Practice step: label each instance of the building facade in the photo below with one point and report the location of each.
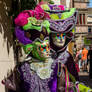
(67, 3)
(89, 22)
(56, 2)
(82, 25)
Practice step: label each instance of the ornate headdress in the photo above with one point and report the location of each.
(38, 13)
(30, 30)
(62, 21)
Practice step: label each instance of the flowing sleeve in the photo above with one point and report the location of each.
(12, 81)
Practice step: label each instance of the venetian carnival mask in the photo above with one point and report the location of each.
(43, 49)
(59, 39)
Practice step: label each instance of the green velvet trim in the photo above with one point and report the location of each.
(33, 50)
(26, 47)
(63, 15)
(72, 78)
(54, 16)
(31, 26)
(46, 24)
(83, 88)
(73, 30)
(34, 24)
(45, 7)
(36, 54)
(68, 14)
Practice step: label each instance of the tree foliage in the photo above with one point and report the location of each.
(87, 41)
(20, 5)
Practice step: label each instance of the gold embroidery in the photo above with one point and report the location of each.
(44, 29)
(41, 36)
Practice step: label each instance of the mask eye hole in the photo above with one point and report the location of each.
(63, 35)
(58, 35)
(41, 47)
(44, 48)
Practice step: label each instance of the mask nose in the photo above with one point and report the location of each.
(59, 40)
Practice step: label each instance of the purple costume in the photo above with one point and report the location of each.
(31, 82)
(66, 58)
(64, 26)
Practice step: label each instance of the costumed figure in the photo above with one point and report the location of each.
(39, 73)
(62, 26)
(48, 67)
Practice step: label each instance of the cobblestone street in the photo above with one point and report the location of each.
(84, 78)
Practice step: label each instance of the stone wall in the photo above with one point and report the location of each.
(80, 5)
(81, 29)
(80, 37)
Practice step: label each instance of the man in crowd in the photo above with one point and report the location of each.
(90, 61)
(84, 59)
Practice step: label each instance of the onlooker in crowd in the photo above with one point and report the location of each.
(90, 62)
(84, 59)
(77, 60)
(78, 56)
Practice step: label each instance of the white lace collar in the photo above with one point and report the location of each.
(43, 69)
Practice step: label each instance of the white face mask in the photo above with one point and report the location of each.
(59, 39)
(44, 49)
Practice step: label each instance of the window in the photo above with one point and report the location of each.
(80, 18)
(83, 18)
(89, 29)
